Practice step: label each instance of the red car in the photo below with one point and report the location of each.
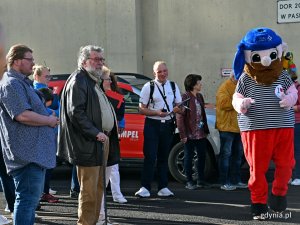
(131, 140)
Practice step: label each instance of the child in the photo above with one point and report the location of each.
(48, 97)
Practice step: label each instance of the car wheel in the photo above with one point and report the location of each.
(176, 163)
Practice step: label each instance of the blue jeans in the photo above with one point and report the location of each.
(297, 151)
(230, 159)
(189, 151)
(8, 185)
(157, 143)
(74, 182)
(29, 182)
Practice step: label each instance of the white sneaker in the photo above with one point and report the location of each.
(296, 182)
(120, 200)
(52, 192)
(165, 192)
(142, 193)
(240, 185)
(228, 187)
(4, 220)
(6, 209)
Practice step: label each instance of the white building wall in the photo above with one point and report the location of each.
(192, 36)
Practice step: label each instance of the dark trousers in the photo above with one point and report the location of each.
(8, 184)
(48, 176)
(230, 158)
(74, 182)
(157, 143)
(189, 151)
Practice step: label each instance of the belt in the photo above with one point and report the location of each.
(161, 121)
(107, 133)
(166, 121)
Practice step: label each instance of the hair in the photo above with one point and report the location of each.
(38, 69)
(112, 76)
(157, 63)
(114, 84)
(16, 52)
(105, 71)
(190, 81)
(85, 51)
(47, 94)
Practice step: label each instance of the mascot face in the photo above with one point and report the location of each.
(259, 56)
(263, 66)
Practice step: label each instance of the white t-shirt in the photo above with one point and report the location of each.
(158, 102)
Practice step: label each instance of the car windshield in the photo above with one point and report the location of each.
(136, 80)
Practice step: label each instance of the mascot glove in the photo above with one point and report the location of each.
(241, 104)
(290, 99)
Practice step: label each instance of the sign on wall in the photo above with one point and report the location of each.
(225, 72)
(288, 11)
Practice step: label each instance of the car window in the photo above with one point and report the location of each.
(131, 101)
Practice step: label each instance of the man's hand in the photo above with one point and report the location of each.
(101, 137)
(176, 109)
(183, 140)
(53, 121)
(160, 113)
(120, 130)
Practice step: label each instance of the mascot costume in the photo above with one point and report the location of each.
(263, 99)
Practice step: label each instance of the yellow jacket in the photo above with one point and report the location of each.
(226, 116)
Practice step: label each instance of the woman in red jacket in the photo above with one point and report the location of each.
(193, 130)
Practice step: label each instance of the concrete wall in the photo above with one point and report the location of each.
(200, 36)
(56, 29)
(192, 36)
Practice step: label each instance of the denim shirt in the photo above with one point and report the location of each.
(23, 144)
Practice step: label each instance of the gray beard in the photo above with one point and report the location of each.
(95, 73)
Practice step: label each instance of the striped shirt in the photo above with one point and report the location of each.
(265, 113)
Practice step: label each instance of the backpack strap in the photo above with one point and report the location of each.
(173, 89)
(151, 92)
(173, 86)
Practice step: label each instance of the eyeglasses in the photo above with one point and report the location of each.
(108, 79)
(48, 77)
(29, 59)
(97, 59)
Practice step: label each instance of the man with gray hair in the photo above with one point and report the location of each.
(87, 121)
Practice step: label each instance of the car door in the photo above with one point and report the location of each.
(132, 138)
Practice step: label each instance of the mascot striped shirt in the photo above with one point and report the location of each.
(265, 113)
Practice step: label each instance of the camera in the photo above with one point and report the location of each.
(164, 110)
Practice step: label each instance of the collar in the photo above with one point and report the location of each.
(159, 83)
(38, 85)
(19, 76)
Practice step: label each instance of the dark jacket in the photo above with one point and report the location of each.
(186, 121)
(80, 121)
(114, 145)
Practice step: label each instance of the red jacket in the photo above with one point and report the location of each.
(186, 121)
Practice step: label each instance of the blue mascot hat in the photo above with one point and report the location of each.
(257, 39)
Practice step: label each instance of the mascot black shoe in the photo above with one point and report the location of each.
(259, 211)
(277, 203)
